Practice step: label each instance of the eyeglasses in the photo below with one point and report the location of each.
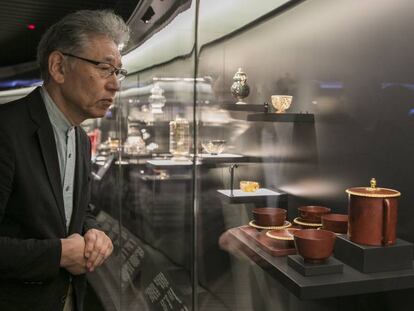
(106, 69)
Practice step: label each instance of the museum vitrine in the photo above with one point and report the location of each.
(232, 107)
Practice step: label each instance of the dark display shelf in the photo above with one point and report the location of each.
(217, 160)
(223, 159)
(235, 158)
(210, 160)
(282, 117)
(170, 163)
(247, 107)
(167, 178)
(349, 282)
(220, 158)
(204, 159)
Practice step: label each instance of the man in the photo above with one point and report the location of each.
(48, 237)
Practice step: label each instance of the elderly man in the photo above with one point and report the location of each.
(48, 237)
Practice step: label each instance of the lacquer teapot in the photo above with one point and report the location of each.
(372, 215)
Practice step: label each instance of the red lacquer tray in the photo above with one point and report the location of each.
(271, 246)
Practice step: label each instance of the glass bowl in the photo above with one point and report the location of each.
(281, 102)
(249, 186)
(214, 146)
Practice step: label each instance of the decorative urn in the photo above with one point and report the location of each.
(239, 88)
(156, 99)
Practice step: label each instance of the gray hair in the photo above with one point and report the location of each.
(71, 34)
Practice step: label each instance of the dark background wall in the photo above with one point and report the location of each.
(350, 63)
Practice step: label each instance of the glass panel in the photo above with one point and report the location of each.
(232, 150)
(105, 183)
(143, 172)
(187, 135)
(156, 105)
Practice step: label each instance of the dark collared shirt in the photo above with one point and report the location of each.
(65, 136)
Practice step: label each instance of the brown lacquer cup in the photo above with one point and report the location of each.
(337, 223)
(312, 213)
(269, 216)
(315, 246)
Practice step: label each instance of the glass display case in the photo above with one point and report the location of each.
(235, 105)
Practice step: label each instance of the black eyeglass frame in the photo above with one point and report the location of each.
(120, 73)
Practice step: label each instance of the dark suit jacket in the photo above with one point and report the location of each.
(32, 218)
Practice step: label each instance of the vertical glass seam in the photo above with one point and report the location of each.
(194, 170)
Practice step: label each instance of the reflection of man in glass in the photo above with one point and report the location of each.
(286, 85)
(48, 237)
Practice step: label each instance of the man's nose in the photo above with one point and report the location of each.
(113, 83)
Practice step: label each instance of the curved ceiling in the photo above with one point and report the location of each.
(22, 23)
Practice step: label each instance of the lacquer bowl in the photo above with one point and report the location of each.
(315, 246)
(269, 216)
(312, 213)
(337, 223)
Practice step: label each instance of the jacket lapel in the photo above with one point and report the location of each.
(48, 148)
(79, 172)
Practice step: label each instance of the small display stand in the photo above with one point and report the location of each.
(370, 259)
(168, 170)
(330, 266)
(260, 195)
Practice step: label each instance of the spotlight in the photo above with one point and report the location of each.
(148, 15)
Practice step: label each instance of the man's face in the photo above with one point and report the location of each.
(85, 90)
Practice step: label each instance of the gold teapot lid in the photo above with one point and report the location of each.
(373, 191)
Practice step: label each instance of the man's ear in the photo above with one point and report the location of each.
(57, 66)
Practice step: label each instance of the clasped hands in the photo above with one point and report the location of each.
(81, 254)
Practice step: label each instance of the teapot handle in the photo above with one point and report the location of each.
(386, 222)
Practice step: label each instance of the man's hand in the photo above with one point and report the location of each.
(98, 247)
(73, 254)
